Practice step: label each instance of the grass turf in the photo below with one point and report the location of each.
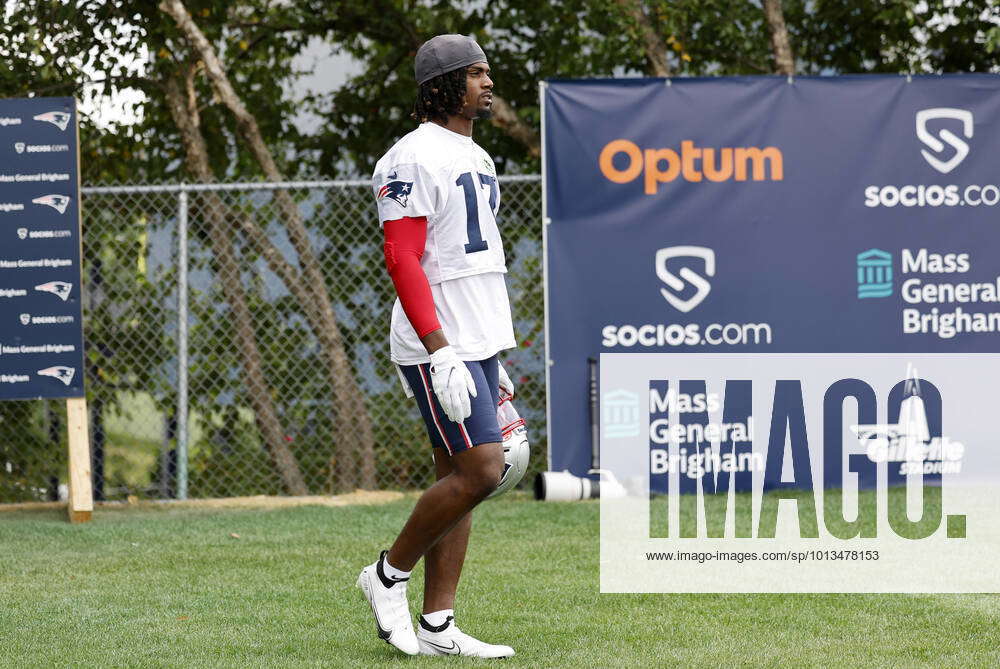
(172, 587)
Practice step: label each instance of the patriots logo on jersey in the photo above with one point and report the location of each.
(57, 118)
(396, 190)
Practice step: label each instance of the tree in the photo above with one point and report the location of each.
(307, 286)
(92, 47)
(98, 28)
(784, 61)
(528, 41)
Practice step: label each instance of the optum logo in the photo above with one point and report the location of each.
(693, 163)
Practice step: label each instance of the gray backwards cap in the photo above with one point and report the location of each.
(445, 53)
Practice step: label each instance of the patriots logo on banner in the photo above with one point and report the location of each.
(57, 118)
(57, 202)
(60, 288)
(64, 374)
(396, 190)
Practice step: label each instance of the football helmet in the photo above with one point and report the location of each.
(515, 444)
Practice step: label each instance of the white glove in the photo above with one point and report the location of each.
(452, 383)
(506, 384)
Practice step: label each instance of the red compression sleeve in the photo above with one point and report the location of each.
(404, 246)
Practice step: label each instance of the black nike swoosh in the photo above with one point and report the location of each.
(382, 633)
(453, 649)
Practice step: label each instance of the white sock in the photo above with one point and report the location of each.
(393, 573)
(438, 618)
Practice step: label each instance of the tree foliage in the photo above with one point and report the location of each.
(95, 48)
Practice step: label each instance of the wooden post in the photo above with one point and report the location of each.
(81, 493)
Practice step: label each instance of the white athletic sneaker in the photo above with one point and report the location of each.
(392, 613)
(447, 639)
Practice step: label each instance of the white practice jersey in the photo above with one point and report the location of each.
(449, 179)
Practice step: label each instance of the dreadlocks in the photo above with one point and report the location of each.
(440, 97)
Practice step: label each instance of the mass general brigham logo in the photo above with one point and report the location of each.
(620, 415)
(874, 274)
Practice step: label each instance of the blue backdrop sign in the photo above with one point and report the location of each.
(757, 215)
(41, 329)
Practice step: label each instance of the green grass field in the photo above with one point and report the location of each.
(170, 587)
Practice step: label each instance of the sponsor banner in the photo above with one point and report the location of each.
(735, 215)
(796, 472)
(41, 329)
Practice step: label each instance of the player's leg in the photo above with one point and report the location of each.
(437, 633)
(443, 562)
(475, 474)
(476, 462)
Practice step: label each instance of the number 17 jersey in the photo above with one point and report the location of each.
(450, 180)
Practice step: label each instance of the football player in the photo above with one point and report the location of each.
(438, 196)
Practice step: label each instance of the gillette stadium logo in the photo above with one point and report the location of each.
(942, 137)
(57, 118)
(907, 445)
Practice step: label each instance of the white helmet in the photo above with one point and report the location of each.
(515, 444)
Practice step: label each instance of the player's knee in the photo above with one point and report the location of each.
(491, 477)
(479, 481)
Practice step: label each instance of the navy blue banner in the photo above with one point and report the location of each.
(41, 328)
(823, 215)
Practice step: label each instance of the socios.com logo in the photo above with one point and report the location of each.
(935, 143)
(874, 274)
(685, 276)
(622, 161)
(939, 130)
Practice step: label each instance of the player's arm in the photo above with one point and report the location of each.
(405, 239)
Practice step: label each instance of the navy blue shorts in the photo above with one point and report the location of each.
(480, 427)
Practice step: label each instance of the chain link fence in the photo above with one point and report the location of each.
(237, 344)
